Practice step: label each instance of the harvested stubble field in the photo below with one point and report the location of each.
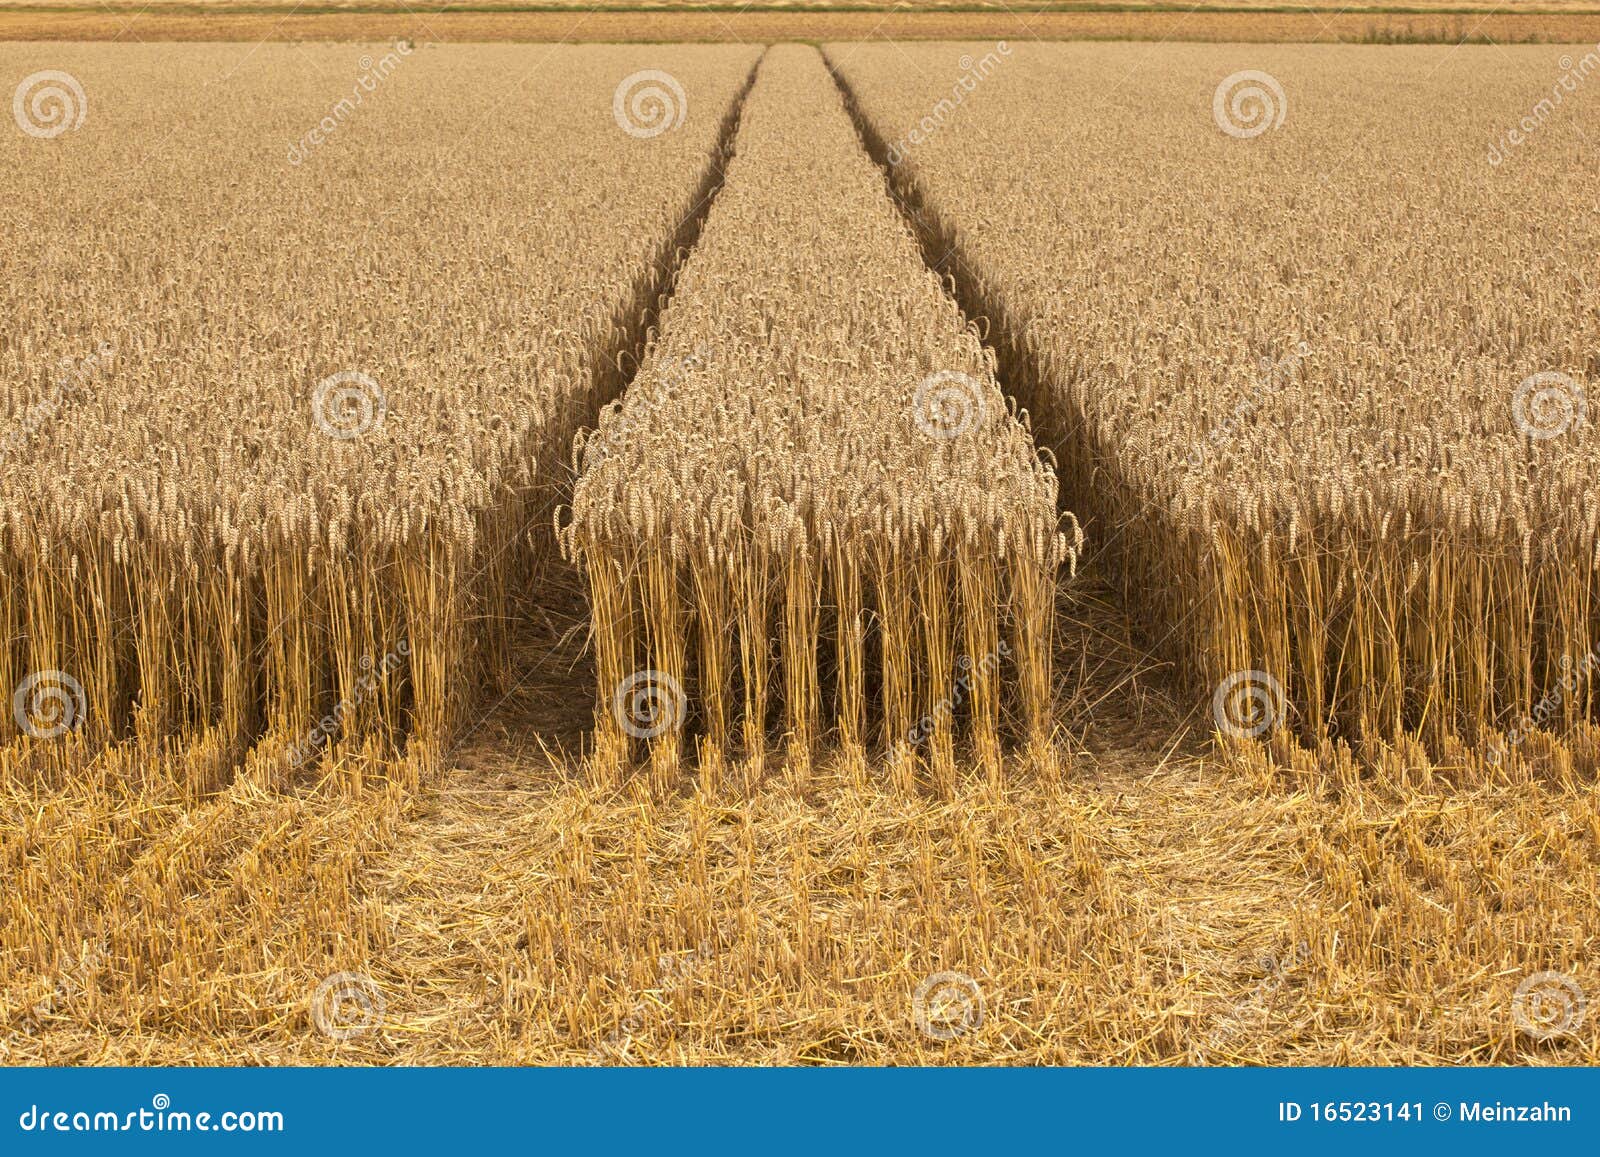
(354, 470)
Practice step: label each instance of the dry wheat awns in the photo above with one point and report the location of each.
(1136, 897)
(813, 508)
(280, 409)
(1281, 371)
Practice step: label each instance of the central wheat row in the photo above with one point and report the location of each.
(813, 501)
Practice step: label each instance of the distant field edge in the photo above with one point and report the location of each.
(1275, 25)
(220, 8)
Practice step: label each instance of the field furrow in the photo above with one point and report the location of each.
(813, 508)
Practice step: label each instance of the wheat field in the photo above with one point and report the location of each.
(986, 553)
(815, 457)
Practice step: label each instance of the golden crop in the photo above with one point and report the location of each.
(1293, 371)
(934, 780)
(280, 417)
(815, 457)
